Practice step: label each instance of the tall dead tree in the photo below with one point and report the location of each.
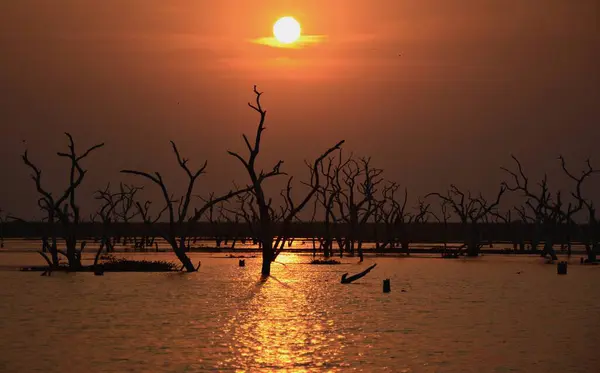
(591, 231)
(325, 198)
(472, 212)
(63, 209)
(179, 215)
(265, 229)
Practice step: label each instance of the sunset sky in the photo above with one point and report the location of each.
(436, 91)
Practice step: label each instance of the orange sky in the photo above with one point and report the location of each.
(476, 80)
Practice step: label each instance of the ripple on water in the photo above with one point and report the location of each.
(454, 316)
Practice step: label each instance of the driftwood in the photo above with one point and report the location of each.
(347, 280)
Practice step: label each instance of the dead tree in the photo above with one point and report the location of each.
(106, 215)
(178, 210)
(126, 209)
(591, 237)
(443, 218)
(357, 186)
(265, 229)
(540, 203)
(245, 212)
(471, 211)
(419, 217)
(63, 209)
(210, 215)
(225, 216)
(290, 211)
(513, 227)
(398, 219)
(111, 202)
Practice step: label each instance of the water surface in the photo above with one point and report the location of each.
(465, 315)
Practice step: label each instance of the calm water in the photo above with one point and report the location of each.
(454, 316)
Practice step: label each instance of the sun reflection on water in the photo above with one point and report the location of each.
(281, 328)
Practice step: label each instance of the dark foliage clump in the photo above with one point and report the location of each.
(126, 265)
(328, 261)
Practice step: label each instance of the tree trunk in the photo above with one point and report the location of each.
(267, 256)
(405, 246)
(183, 258)
(73, 257)
(473, 243)
(549, 250)
(180, 252)
(360, 251)
(591, 251)
(54, 255)
(473, 248)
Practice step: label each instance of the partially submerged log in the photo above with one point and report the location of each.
(347, 280)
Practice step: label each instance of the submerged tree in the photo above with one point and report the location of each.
(547, 210)
(591, 237)
(63, 209)
(357, 182)
(398, 219)
(325, 198)
(471, 211)
(179, 210)
(114, 208)
(266, 231)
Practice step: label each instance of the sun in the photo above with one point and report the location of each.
(287, 30)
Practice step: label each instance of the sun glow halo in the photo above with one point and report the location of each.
(287, 30)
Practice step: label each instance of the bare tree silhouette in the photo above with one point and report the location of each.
(178, 210)
(357, 186)
(442, 217)
(64, 208)
(266, 231)
(592, 241)
(471, 211)
(115, 207)
(547, 211)
(397, 218)
(325, 198)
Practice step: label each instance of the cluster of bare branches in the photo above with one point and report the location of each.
(114, 207)
(471, 211)
(348, 195)
(179, 212)
(547, 210)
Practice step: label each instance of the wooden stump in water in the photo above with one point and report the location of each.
(561, 268)
(99, 270)
(387, 286)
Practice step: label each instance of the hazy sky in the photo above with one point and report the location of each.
(476, 80)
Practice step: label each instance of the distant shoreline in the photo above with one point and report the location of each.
(366, 251)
